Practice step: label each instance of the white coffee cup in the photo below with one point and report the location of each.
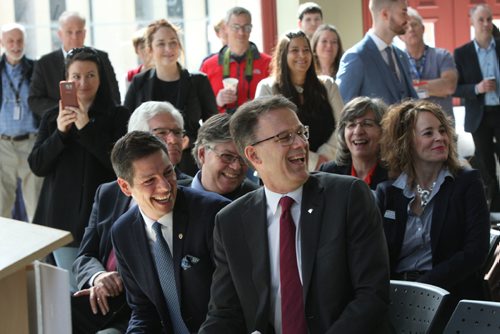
(230, 83)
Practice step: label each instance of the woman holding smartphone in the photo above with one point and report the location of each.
(72, 151)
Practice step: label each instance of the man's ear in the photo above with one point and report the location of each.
(124, 186)
(252, 156)
(201, 155)
(185, 142)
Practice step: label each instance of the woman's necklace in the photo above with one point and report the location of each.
(425, 194)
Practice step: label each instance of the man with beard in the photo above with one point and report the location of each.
(374, 67)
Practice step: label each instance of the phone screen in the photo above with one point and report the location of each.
(67, 91)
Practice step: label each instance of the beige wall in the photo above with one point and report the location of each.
(346, 15)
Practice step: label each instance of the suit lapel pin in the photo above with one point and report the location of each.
(310, 210)
(181, 236)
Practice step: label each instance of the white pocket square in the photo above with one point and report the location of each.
(389, 214)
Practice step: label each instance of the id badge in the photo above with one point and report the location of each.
(17, 112)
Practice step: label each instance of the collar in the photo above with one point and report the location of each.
(253, 48)
(381, 45)
(402, 182)
(196, 183)
(273, 198)
(491, 45)
(165, 220)
(369, 176)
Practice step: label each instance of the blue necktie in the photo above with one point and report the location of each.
(166, 274)
(392, 65)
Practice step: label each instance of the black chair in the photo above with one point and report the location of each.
(414, 307)
(474, 317)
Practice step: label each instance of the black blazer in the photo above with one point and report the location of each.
(195, 99)
(469, 74)
(345, 267)
(379, 175)
(459, 232)
(49, 70)
(193, 222)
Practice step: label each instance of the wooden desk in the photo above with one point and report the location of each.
(21, 244)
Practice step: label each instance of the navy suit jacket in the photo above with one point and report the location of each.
(193, 221)
(459, 232)
(469, 74)
(345, 269)
(363, 72)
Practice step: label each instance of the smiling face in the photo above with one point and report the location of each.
(281, 168)
(362, 136)
(85, 74)
(13, 43)
(165, 47)
(218, 175)
(328, 46)
(299, 56)
(154, 187)
(430, 141)
(159, 125)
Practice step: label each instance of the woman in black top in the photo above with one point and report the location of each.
(72, 151)
(190, 93)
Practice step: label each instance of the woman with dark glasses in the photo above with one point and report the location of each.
(72, 151)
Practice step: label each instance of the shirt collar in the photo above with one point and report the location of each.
(381, 45)
(165, 220)
(402, 182)
(196, 183)
(273, 198)
(492, 45)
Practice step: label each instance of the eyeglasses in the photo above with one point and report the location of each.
(286, 138)
(71, 53)
(164, 132)
(247, 28)
(366, 123)
(227, 158)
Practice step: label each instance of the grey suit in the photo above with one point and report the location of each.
(345, 266)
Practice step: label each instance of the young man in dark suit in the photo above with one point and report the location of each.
(304, 254)
(163, 245)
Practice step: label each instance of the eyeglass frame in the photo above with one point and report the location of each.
(178, 133)
(224, 160)
(247, 28)
(291, 136)
(364, 123)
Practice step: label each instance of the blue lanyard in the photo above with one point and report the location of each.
(417, 66)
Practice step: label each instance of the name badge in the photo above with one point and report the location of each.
(17, 112)
(389, 214)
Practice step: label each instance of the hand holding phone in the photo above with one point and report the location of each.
(67, 90)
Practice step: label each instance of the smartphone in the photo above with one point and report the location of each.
(67, 90)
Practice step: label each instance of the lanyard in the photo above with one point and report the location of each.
(417, 66)
(248, 66)
(17, 92)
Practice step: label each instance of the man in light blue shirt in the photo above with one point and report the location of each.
(18, 125)
(478, 75)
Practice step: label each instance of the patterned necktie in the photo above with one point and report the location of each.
(293, 319)
(166, 274)
(390, 60)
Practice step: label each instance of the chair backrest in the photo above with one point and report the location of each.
(414, 306)
(474, 316)
(64, 258)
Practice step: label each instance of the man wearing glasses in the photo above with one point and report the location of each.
(239, 59)
(222, 170)
(304, 254)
